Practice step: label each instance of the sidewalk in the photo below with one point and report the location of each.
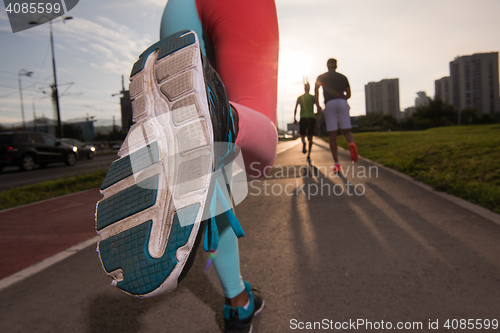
(393, 252)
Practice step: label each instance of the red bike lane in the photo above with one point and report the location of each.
(34, 232)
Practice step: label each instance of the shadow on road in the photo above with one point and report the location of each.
(117, 312)
(374, 252)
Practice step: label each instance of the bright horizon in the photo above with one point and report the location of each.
(372, 40)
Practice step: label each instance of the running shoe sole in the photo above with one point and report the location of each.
(146, 239)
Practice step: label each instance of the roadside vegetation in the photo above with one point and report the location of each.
(435, 114)
(460, 160)
(50, 189)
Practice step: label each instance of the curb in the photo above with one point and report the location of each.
(47, 200)
(481, 211)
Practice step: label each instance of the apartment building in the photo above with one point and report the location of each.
(474, 82)
(442, 90)
(422, 99)
(383, 97)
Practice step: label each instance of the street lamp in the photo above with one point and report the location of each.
(55, 93)
(22, 72)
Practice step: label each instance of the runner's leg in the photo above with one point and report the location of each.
(348, 135)
(303, 131)
(345, 124)
(310, 138)
(249, 74)
(179, 15)
(331, 119)
(310, 129)
(333, 146)
(244, 35)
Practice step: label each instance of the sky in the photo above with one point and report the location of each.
(413, 40)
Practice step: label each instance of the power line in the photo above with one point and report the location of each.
(14, 74)
(8, 79)
(7, 94)
(39, 73)
(94, 89)
(5, 86)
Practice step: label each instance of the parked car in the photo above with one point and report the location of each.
(83, 150)
(26, 149)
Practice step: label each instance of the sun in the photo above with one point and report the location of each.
(294, 66)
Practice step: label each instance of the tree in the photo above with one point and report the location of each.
(376, 122)
(435, 114)
(487, 118)
(469, 116)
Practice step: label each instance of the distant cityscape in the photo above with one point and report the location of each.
(473, 83)
(85, 129)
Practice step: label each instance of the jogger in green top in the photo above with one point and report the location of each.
(307, 118)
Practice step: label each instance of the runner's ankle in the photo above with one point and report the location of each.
(239, 300)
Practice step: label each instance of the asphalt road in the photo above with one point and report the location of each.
(378, 251)
(11, 177)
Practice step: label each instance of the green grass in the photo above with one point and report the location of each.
(460, 160)
(50, 189)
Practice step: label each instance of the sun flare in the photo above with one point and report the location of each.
(294, 67)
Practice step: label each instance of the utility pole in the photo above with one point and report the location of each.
(34, 115)
(55, 92)
(22, 72)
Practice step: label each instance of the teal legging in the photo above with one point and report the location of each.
(181, 15)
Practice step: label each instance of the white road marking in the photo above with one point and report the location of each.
(40, 266)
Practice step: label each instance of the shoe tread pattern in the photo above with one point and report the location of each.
(166, 46)
(122, 168)
(127, 202)
(128, 251)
